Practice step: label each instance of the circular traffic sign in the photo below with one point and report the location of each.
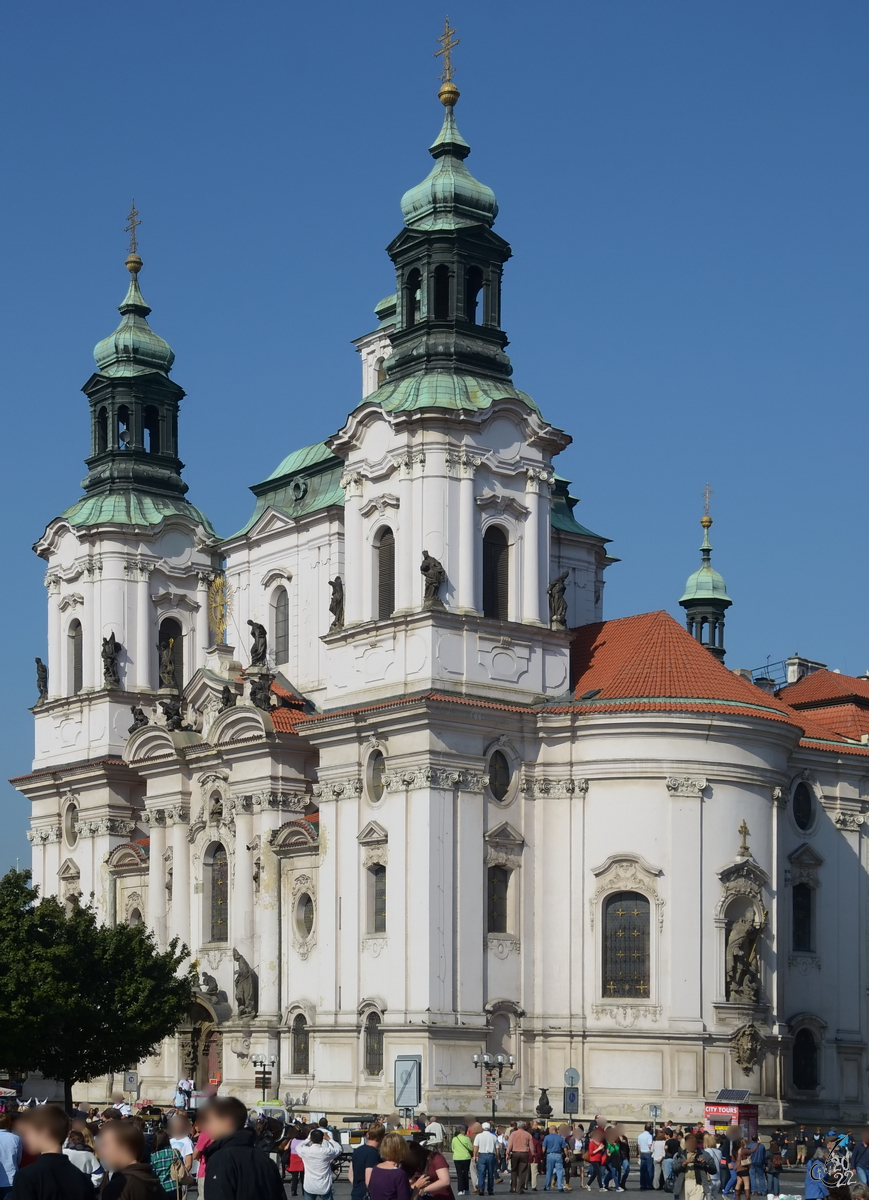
(571, 1077)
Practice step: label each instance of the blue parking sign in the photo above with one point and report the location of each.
(571, 1101)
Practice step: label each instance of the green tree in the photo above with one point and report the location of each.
(79, 999)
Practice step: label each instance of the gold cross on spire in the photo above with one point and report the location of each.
(707, 492)
(745, 831)
(131, 228)
(447, 46)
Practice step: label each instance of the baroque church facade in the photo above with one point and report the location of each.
(380, 762)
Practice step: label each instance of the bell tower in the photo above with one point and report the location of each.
(706, 600)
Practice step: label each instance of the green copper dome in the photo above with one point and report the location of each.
(449, 197)
(706, 584)
(134, 348)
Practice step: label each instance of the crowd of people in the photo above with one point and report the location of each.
(229, 1153)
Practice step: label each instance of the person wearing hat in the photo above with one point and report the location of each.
(485, 1149)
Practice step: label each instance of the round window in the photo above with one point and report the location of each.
(305, 914)
(499, 775)
(70, 825)
(803, 806)
(376, 775)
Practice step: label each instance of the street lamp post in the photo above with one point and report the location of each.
(264, 1068)
(493, 1066)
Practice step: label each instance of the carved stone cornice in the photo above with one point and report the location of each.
(686, 785)
(849, 821)
(70, 600)
(626, 1015)
(334, 789)
(41, 834)
(379, 504)
(554, 787)
(502, 944)
(106, 826)
(439, 778)
(804, 963)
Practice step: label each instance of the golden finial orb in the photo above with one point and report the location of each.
(133, 264)
(706, 521)
(448, 94)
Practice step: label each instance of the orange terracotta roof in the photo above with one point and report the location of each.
(846, 719)
(825, 686)
(651, 661)
(285, 720)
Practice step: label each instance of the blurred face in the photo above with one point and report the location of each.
(36, 1141)
(112, 1154)
(178, 1127)
(219, 1126)
(690, 1143)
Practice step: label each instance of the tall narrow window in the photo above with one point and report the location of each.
(281, 629)
(803, 808)
(219, 889)
(473, 287)
(496, 560)
(499, 775)
(171, 648)
(151, 423)
(102, 431)
(805, 1060)
(301, 1047)
(626, 959)
(125, 433)
(377, 898)
(442, 293)
(802, 917)
(380, 372)
(385, 574)
(76, 657)
(412, 288)
(373, 1044)
(499, 888)
(376, 775)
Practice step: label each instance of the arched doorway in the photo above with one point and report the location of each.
(202, 1047)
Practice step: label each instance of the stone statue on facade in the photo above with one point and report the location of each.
(168, 678)
(557, 602)
(434, 575)
(172, 713)
(245, 987)
(261, 692)
(208, 986)
(41, 680)
(259, 644)
(336, 604)
(139, 718)
(740, 964)
(111, 652)
(227, 698)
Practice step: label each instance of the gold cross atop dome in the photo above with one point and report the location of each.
(745, 831)
(706, 520)
(448, 93)
(134, 263)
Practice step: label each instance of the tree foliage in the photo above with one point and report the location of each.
(79, 999)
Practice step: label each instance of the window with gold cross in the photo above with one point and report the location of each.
(626, 958)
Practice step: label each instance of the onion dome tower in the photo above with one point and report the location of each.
(705, 600)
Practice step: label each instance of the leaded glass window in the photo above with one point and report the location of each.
(219, 895)
(301, 1049)
(802, 917)
(499, 775)
(373, 1045)
(499, 888)
(626, 961)
(803, 807)
(282, 626)
(378, 899)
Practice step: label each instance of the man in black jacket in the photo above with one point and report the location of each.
(52, 1177)
(234, 1168)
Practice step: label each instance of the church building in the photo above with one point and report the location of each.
(379, 760)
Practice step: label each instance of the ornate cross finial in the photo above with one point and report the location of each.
(707, 492)
(745, 831)
(447, 46)
(131, 228)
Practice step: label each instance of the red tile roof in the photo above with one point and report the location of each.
(825, 686)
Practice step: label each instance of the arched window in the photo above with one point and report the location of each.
(76, 657)
(373, 1044)
(102, 431)
(499, 893)
(805, 1060)
(626, 960)
(151, 424)
(125, 433)
(171, 650)
(500, 1039)
(442, 293)
(801, 902)
(412, 288)
(301, 1047)
(385, 574)
(281, 625)
(376, 775)
(135, 917)
(380, 371)
(499, 775)
(473, 287)
(496, 561)
(218, 894)
(803, 807)
(377, 898)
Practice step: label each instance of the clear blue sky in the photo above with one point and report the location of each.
(685, 189)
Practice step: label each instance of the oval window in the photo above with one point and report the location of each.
(499, 775)
(305, 914)
(377, 775)
(803, 806)
(70, 825)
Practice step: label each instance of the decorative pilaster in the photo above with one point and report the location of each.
(55, 636)
(145, 635)
(203, 634)
(467, 584)
(353, 548)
